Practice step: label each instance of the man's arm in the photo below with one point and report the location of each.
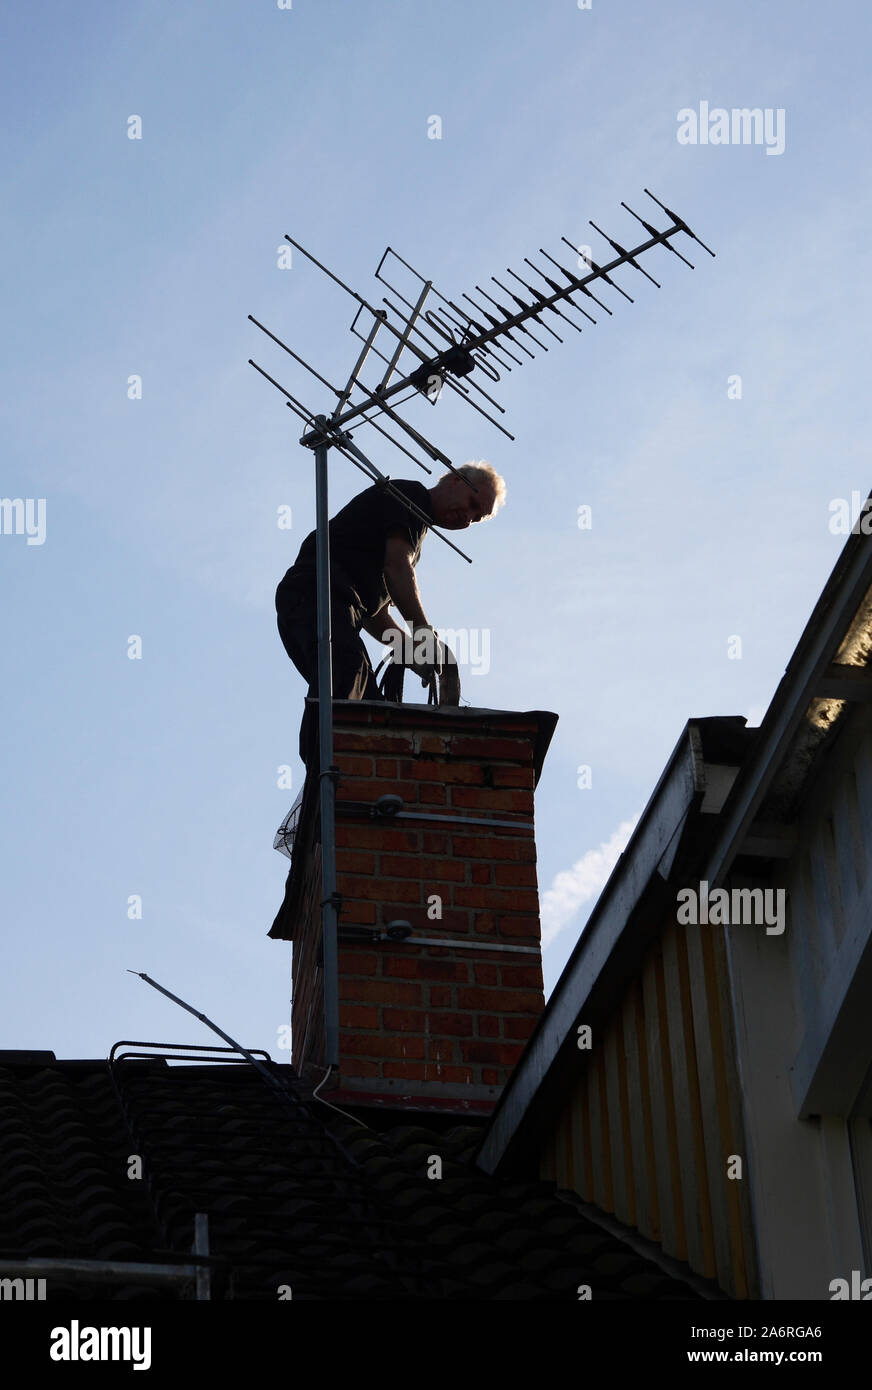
(381, 625)
(400, 579)
(399, 573)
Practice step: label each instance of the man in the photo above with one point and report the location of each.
(375, 544)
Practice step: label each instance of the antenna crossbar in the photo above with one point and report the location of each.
(464, 341)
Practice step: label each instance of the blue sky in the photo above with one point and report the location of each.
(711, 517)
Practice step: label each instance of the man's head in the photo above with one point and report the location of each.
(474, 492)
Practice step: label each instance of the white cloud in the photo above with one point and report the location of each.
(572, 888)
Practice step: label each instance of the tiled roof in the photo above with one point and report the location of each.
(296, 1193)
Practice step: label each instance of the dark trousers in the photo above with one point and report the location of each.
(353, 676)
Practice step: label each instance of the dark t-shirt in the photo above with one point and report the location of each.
(357, 542)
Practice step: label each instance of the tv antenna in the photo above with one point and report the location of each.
(450, 344)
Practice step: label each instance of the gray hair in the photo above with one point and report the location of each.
(483, 472)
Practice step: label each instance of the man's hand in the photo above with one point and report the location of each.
(426, 653)
(419, 651)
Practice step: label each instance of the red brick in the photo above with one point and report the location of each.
(488, 1026)
(434, 843)
(478, 747)
(512, 847)
(354, 836)
(405, 1071)
(385, 767)
(487, 974)
(526, 928)
(473, 1050)
(432, 794)
(381, 991)
(404, 966)
(354, 764)
(444, 870)
(350, 861)
(522, 977)
(505, 1001)
(478, 896)
(520, 875)
(484, 799)
(512, 899)
(490, 1077)
(423, 867)
(482, 873)
(357, 962)
(433, 743)
(404, 1020)
(513, 777)
(371, 788)
(451, 1074)
(452, 920)
(380, 889)
(377, 1045)
(426, 1071)
(518, 1027)
(358, 914)
(400, 865)
(454, 1024)
(409, 967)
(360, 1067)
(357, 1016)
(371, 741)
(469, 774)
(519, 724)
(440, 996)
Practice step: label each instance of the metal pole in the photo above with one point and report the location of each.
(329, 915)
(201, 1247)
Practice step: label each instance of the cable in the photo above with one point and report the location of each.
(322, 1101)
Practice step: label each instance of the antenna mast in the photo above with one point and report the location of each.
(425, 351)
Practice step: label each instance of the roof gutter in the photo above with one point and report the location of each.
(810, 676)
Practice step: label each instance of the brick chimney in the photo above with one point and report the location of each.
(438, 1023)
